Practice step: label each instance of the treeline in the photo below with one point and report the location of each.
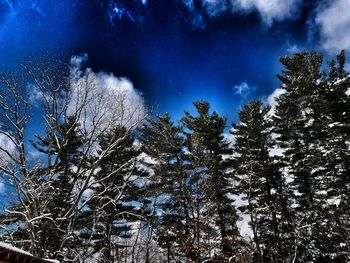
(135, 188)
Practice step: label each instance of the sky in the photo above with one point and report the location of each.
(174, 52)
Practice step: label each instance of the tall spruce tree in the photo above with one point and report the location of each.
(216, 214)
(259, 180)
(302, 122)
(335, 159)
(299, 78)
(170, 187)
(337, 110)
(115, 203)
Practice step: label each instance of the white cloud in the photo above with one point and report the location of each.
(292, 48)
(196, 19)
(215, 7)
(229, 137)
(272, 102)
(272, 99)
(243, 223)
(243, 89)
(333, 21)
(6, 143)
(9, 146)
(116, 10)
(36, 95)
(77, 61)
(107, 100)
(269, 10)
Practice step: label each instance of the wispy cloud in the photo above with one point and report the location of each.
(195, 18)
(109, 99)
(216, 7)
(118, 10)
(272, 99)
(243, 89)
(333, 21)
(292, 48)
(270, 11)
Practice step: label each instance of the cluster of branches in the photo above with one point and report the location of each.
(150, 190)
(62, 184)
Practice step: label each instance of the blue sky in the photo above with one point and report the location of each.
(178, 51)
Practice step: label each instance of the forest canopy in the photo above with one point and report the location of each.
(104, 179)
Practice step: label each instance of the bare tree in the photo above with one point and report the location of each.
(71, 100)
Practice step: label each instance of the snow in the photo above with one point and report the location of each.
(348, 92)
(145, 163)
(322, 192)
(22, 252)
(243, 223)
(334, 201)
(14, 249)
(335, 124)
(276, 151)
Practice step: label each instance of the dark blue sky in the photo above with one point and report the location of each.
(174, 51)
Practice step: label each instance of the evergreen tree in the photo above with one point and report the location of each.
(259, 180)
(170, 188)
(302, 122)
(114, 207)
(334, 163)
(337, 128)
(86, 197)
(216, 214)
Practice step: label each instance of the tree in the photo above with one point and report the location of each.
(75, 115)
(31, 206)
(169, 189)
(302, 120)
(259, 180)
(96, 185)
(205, 142)
(61, 185)
(115, 206)
(335, 158)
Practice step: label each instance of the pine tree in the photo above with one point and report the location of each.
(115, 203)
(170, 187)
(335, 159)
(216, 214)
(337, 110)
(259, 180)
(302, 122)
